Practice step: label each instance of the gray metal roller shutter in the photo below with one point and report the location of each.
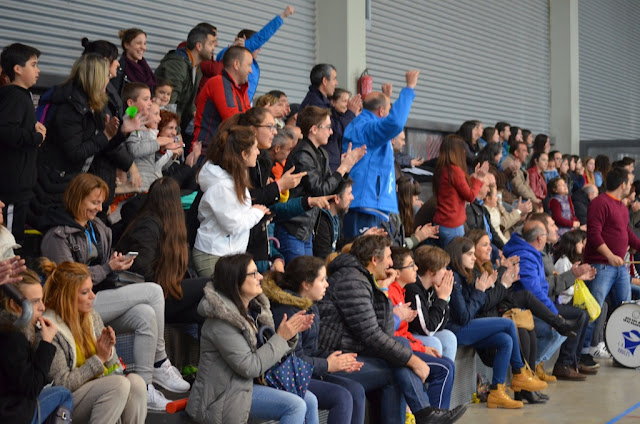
(609, 39)
(484, 60)
(56, 27)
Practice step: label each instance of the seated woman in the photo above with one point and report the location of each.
(303, 283)
(224, 391)
(561, 206)
(184, 172)
(225, 212)
(85, 361)
(537, 166)
(467, 300)
(159, 235)
(25, 364)
(402, 228)
(77, 234)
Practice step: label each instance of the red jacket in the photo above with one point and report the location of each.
(396, 295)
(452, 195)
(221, 98)
(537, 183)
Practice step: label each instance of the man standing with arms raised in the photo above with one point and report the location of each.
(374, 180)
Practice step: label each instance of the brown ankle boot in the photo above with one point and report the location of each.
(542, 374)
(498, 398)
(525, 381)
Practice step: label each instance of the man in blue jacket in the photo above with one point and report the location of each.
(529, 246)
(374, 180)
(254, 42)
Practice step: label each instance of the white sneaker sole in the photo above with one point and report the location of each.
(172, 390)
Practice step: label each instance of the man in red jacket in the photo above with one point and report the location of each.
(223, 95)
(608, 238)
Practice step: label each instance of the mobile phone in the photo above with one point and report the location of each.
(131, 255)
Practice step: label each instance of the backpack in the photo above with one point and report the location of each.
(46, 110)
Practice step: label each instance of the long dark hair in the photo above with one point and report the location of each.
(475, 236)
(451, 153)
(456, 248)
(539, 142)
(226, 152)
(466, 132)
(229, 275)
(534, 158)
(489, 153)
(567, 246)
(301, 269)
(170, 264)
(406, 191)
(101, 47)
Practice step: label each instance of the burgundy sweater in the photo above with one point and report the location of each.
(608, 223)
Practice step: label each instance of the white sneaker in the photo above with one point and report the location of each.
(600, 351)
(170, 378)
(155, 399)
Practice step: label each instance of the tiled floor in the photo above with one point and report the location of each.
(602, 398)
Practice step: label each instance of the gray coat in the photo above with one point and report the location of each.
(63, 369)
(230, 359)
(557, 282)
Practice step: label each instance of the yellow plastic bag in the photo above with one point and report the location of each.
(583, 299)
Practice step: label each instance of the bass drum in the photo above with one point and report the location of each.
(622, 334)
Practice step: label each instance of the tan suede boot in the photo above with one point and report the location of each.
(498, 398)
(525, 381)
(542, 374)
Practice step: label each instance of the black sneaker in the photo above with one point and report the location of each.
(587, 361)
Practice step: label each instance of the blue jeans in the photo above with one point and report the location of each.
(268, 403)
(498, 333)
(440, 379)
(291, 246)
(614, 280)
(344, 398)
(443, 340)
(447, 234)
(49, 399)
(549, 340)
(635, 292)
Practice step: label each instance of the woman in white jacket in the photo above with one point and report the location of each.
(225, 212)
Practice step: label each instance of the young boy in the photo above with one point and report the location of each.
(162, 95)
(430, 297)
(20, 135)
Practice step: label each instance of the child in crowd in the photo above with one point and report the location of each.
(162, 95)
(569, 250)
(20, 135)
(24, 363)
(144, 144)
(561, 206)
(7, 241)
(430, 297)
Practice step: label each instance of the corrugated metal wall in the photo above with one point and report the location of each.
(484, 60)
(56, 27)
(609, 50)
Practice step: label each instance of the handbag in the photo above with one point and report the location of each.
(291, 374)
(124, 278)
(522, 318)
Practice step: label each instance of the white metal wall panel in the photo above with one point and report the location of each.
(57, 26)
(484, 60)
(609, 50)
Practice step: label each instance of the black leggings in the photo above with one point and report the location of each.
(528, 345)
(185, 310)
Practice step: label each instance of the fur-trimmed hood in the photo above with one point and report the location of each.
(284, 297)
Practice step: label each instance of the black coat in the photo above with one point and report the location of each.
(19, 143)
(23, 374)
(357, 316)
(144, 237)
(434, 312)
(475, 221)
(580, 205)
(265, 194)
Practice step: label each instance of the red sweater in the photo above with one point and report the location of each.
(396, 295)
(608, 223)
(452, 194)
(556, 213)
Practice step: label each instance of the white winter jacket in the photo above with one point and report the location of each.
(225, 222)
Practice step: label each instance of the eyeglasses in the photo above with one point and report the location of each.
(272, 127)
(254, 274)
(411, 265)
(324, 126)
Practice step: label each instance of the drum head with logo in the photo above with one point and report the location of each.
(622, 335)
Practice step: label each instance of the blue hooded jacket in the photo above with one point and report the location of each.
(374, 176)
(532, 275)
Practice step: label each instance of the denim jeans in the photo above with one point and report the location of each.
(291, 246)
(49, 399)
(549, 340)
(498, 333)
(344, 398)
(447, 234)
(268, 403)
(443, 340)
(440, 379)
(614, 280)
(570, 348)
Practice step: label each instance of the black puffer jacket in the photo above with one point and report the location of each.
(357, 316)
(475, 221)
(433, 312)
(319, 181)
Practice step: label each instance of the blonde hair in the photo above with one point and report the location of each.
(266, 100)
(78, 189)
(61, 294)
(90, 72)
(28, 278)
